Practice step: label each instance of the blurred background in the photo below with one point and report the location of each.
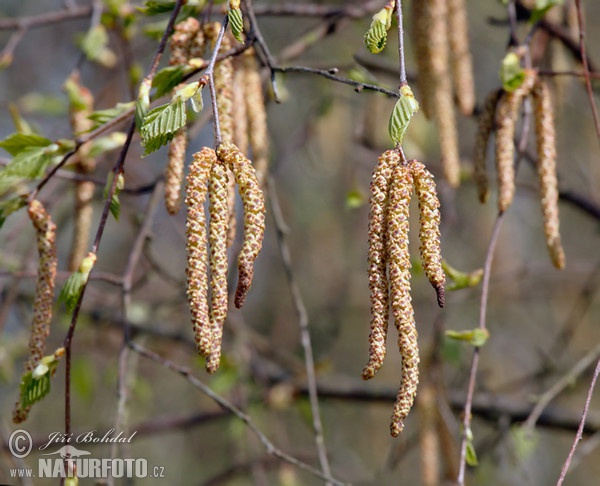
(325, 139)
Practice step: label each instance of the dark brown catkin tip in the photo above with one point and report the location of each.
(399, 276)
(429, 232)
(217, 238)
(254, 215)
(546, 168)
(197, 253)
(485, 126)
(377, 261)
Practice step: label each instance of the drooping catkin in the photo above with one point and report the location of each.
(217, 238)
(507, 113)
(377, 261)
(460, 56)
(223, 76)
(485, 126)
(254, 215)
(257, 116)
(546, 167)
(421, 21)
(197, 254)
(399, 277)
(429, 233)
(181, 40)
(174, 171)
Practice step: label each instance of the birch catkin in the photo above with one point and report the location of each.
(399, 276)
(197, 254)
(507, 113)
(485, 126)
(429, 233)
(254, 215)
(174, 171)
(460, 56)
(217, 238)
(546, 167)
(44, 292)
(377, 261)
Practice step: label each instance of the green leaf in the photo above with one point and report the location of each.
(156, 7)
(106, 144)
(35, 385)
(355, 198)
(95, 46)
(376, 36)
(17, 142)
(20, 123)
(461, 280)
(101, 117)
(236, 22)
(167, 78)
(30, 163)
(143, 102)
(476, 337)
(161, 124)
(405, 108)
(115, 203)
(10, 206)
(512, 74)
(72, 288)
(525, 441)
(541, 7)
(471, 456)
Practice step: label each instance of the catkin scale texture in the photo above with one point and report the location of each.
(217, 238)
(429, 232)
(546, 168)
(485, 126)
(174, 171)
(377, 261)
(254, 215)
(182, 39)
(197, 253)
(460, 56)
(399, 277)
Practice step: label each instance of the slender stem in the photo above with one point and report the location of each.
(579, 434)
(298, 302)
(402, 64)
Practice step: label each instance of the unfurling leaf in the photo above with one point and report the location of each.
(541, 7)
(17, 142)
(236, 22)
(405, 108)
(471, 456)
(72, 288)
(167, 78)
(460, 279)
(35, 385)
(94, 46)
(143, 102)
(101, 117)
(161, 124)
(476, 337)
(376, 36)
(115, 204)
(512, 74)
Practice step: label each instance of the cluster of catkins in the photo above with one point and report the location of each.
(242, 124)
(393, 183)
(44, 292)
(440, 38)
(501, 111)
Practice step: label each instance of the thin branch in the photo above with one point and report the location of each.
(268, 445)
(356, 10)
(586, 68)
(579, 434)
(402, 63)
(284, 250)
(45, 19)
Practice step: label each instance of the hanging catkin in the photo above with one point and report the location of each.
(254, 215)
(377, 261)
(485, 126)
(460, 56)
(429, 233)
(44, 292)
(217, 238)
(546, 167)
(197, 254)
(399, 276)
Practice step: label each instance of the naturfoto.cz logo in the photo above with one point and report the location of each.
(69, 461)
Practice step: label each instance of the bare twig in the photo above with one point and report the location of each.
(579, 434)
(268, 445)
(402, 63)
(46, 19)
(280, 228)
(354, 10)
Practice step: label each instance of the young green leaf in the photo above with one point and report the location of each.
(471, 456)
(106, 144)
(476, 337)
(10, 206)
(156, 7)
(167, 78)
(461, 280)
(115, 203)
(101, 117)
(35, 384)
(95, 46)
(71, 290)
(512, 74)
(161, 124)
(19, 122)
(17, 142)
(236, 22)
(142, 104)
(541, 7)
(376, 36)
(30, 163)
(405, 108)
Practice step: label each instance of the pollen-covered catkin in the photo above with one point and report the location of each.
(223, 76)
(399, 277)
(429, 233)
(460, 56)
(254, 215)
(377, 261)
(197, 254)
(217, 239)
(485, 126)
(181, 40)
(546, 167)
(507, 113)
(44, 292)
(257, 117)
(174, 171)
